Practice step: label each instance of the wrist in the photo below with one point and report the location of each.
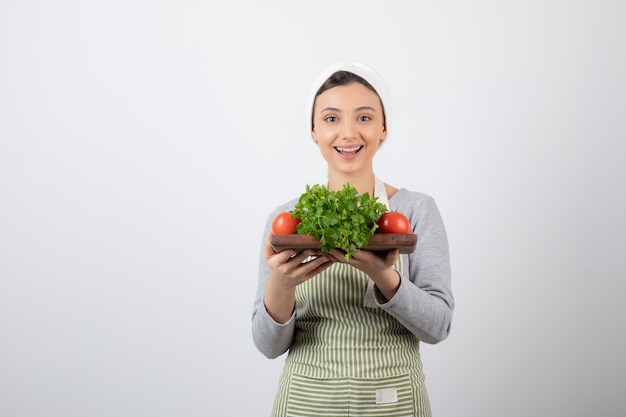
(279, 302)
(387, 284)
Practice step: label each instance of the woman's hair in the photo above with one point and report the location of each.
(340, 78)
(343, 78)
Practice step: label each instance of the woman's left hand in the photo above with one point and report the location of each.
(379, 266)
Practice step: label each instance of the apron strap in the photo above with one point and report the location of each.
(381, 193)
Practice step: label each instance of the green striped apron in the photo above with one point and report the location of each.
(349, 357)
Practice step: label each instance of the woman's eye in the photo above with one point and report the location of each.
(364, 118)
(331, 119)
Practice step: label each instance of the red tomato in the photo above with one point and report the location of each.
(394, 222)
(285, 223)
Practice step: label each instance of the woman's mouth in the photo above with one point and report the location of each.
(348, 151)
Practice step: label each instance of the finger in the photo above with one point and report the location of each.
(315, 262)
(361, 255)
(390, 257)
(314, 267)
(268, 249)
(393, 254)
(270, 252)
(303, 255)
(327, 263)
(332, 258)
(338, 255)
(386, 255)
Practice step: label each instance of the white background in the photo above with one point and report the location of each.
(144, 143)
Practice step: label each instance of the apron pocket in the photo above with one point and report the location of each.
(341, 397)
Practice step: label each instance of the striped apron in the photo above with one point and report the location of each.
(347, 358)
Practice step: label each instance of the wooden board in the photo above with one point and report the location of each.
(378, 242)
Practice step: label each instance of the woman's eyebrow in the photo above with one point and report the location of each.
(362, 108)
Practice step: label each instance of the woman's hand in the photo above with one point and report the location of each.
(287, 270)
(378, 265)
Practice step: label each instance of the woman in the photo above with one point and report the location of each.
(353, 327)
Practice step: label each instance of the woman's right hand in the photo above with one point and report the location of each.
(288, 269)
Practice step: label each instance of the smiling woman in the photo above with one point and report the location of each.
(348, 127)
(353, 324)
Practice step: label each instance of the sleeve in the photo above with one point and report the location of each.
(424, 302)
(272, 339)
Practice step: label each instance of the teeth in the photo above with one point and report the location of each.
(353, 149)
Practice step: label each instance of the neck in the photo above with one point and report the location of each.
(362, 183)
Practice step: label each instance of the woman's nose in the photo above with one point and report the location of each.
(349, 129)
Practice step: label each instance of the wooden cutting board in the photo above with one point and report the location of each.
(378, 242)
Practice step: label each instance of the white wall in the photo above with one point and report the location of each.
(143, 144)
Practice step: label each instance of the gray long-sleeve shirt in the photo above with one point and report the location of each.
(423, 303)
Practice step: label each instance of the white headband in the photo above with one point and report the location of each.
(362, 71)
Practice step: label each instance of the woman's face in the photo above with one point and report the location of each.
(348, 126)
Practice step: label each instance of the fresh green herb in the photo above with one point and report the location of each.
(339, 219)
